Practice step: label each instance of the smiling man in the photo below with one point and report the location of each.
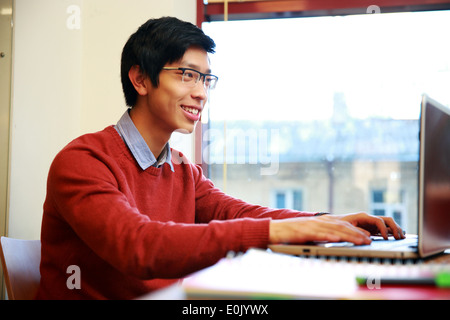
(132, 220)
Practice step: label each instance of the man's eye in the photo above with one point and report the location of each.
(189, 74)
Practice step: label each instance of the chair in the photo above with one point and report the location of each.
(20, 262)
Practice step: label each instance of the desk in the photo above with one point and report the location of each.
(261, 275)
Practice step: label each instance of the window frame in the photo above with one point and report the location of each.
(289, 194)
(390, 208)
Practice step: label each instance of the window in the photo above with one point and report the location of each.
(327, 105)
(378, 196)
(389, 203)
(288, 198)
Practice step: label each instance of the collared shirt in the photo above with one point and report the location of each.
(138, 147)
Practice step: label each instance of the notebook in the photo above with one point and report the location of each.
(433, 200)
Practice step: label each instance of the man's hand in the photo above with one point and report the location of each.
(355, 228)
(383, 226)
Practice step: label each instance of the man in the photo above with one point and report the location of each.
(131, 214)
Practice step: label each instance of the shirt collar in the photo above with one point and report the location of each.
(138, 147)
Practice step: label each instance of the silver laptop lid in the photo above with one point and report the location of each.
(434, 178)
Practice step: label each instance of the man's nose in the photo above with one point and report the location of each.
(199, 90)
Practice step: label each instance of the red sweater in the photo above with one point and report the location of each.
(132, 231)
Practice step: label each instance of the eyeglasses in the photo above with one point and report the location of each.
(192, 77)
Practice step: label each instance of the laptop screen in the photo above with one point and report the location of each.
(434, 193)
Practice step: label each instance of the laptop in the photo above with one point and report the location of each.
(433, 201)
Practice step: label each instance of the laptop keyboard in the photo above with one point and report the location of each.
(380, 244)
(382, 271)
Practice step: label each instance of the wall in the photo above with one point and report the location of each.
(66, 82)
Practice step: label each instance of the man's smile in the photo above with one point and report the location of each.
(193, 110)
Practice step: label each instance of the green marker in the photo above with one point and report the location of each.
(443, 280)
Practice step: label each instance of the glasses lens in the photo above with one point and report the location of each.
(193, 77)
(190, 76)
(210, 82)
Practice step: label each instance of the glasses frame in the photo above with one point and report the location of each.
(201, 75)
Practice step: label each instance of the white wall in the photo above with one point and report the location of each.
(66, 82)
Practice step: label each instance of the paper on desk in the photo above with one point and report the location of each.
(262, 274)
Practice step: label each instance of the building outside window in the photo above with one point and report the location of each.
(327, 107)
(390, 203)
(287, 198)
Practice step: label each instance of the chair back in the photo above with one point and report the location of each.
(20, 262)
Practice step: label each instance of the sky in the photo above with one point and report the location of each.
(290, 69)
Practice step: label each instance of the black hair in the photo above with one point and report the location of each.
(156, 43)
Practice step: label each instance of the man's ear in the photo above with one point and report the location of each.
(138, 79)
